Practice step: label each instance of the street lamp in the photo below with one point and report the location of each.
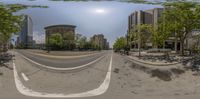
(13, 52)
(127, 44)
(48, 45)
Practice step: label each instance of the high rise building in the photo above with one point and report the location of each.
(145, 17)
(152, 18)
(99, 41)
(25, 37)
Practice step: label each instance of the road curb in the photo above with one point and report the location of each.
(171, 64)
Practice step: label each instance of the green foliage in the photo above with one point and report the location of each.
(129, 1)
(160, 35)
(68, 36)
(18, 7)
(56, 41)
(83, 44)
(20, 46)
(120, 43)
(80, 41)
(9, 23)
(141, 33)
(196, 44)
(142, 1)
(181, 17)
(68, 40)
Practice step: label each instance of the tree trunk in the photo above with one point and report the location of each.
(175, 46)
(163, 44)
(182, 46)
(139, 48)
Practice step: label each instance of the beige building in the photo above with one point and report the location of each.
(99, 41)
(151, 17)
(144, 17)
(67, 32)
(193, 40)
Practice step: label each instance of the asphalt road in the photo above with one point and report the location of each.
(60, 63)
(125, 82)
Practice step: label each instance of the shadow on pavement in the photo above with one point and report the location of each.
(4, 59)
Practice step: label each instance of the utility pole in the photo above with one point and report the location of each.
(139, 43)
(139, 39)
(127, 44)
(48, 45)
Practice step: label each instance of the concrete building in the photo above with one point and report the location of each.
(144, 17)
(67, 32)
(151, 17)
(193, 40)
(107, 46)
(25, 37)
(99, 41)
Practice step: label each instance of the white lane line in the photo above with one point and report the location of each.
(29, 92)
(24, 76)
(65, 57)
(62, 69)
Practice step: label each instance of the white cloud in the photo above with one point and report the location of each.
(39, 37)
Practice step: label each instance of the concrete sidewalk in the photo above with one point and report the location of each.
(156, 63)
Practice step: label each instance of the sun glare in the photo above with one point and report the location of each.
(100, 11)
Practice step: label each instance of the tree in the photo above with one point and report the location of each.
(56, 41)
(9, 23)
(94, 46)
(141, 34)
(77, 39)
(81, 41)
(182, 17)
(120, 44)
(160, 35)
(68, 40)
(196, 44)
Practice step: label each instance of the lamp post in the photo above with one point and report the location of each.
(13, 52)
(139, 41)
(127, 44)
(48, 45)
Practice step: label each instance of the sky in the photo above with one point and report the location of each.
(93, 17)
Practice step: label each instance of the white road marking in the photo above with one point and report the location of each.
(62, 69)
(98, 91)
(65, 57)
(24, 76)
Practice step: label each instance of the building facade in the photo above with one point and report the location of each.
(66, 31)
(99, 41)
(25, 37)
(193, 40)
(152, 18)
(144, 17)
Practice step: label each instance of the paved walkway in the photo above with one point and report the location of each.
(156, 63)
